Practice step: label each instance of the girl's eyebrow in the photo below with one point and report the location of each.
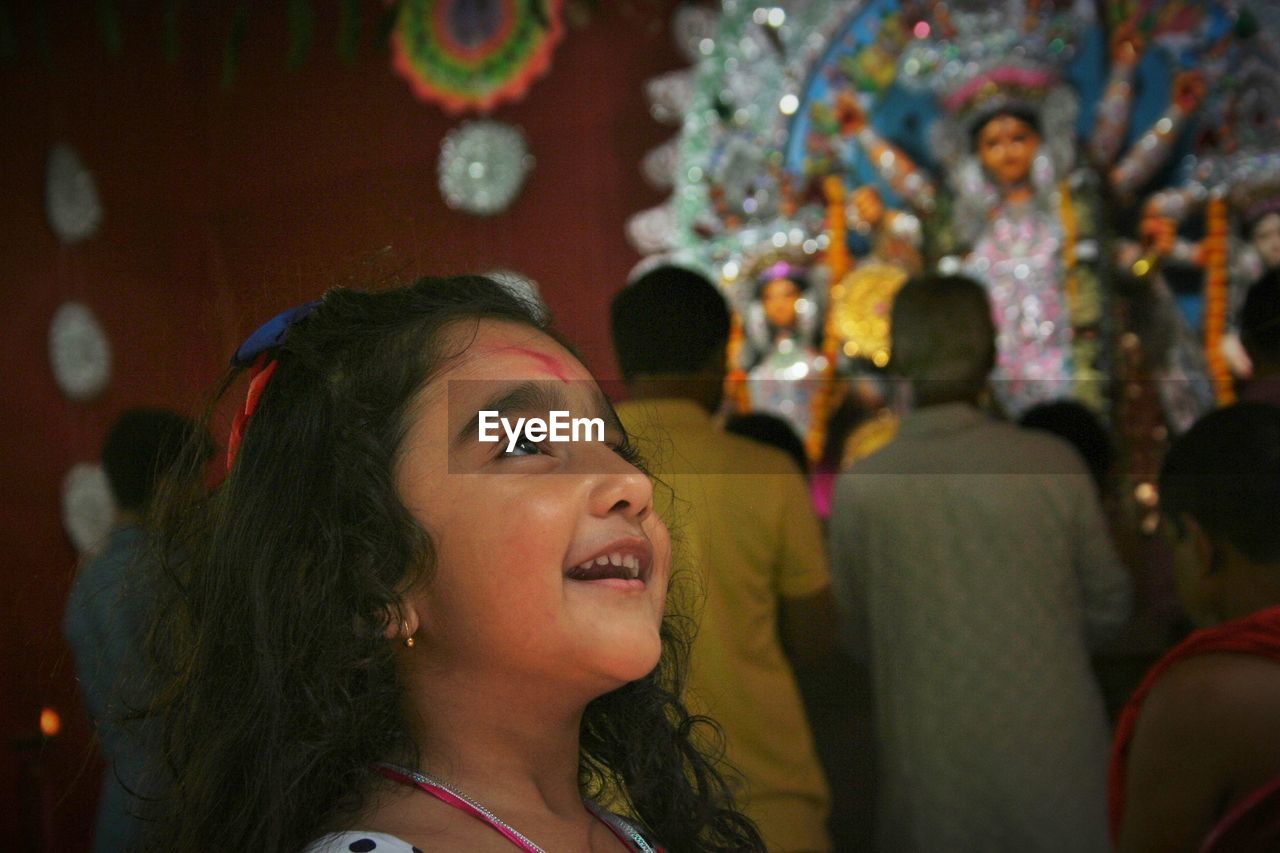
(530, 396)
(533, 396)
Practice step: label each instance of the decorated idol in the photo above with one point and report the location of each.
(1016, 216)
(1015, 209)
(782, 328)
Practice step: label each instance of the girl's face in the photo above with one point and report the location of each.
(1006, 148)
(513, 527)
(1266, 239)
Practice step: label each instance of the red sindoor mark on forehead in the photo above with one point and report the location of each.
(552, 364)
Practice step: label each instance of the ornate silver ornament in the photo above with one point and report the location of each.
(693, 28)
(483, 165)
(70, 196)
(670, 96)
(79, 352)
(88, 509)
(659, 164)
(652, 230)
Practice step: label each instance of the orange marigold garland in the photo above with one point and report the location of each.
(1215, 301)
(838, 264)
(735, 381)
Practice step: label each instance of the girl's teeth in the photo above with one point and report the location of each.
(630, 562)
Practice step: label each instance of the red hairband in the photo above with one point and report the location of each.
(259, 374)
(255, 353)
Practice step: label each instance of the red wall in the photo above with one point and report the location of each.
(225, 205)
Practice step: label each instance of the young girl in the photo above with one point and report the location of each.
(392, 634)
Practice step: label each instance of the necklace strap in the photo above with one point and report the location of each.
(625, 832)
(459, 801)
(622, 828)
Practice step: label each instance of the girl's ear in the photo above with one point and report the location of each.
(401, 622)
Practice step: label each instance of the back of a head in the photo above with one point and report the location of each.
(142, 445)
(771, 430)
(1260, 320)
(1074, 422)
(943, 337)
(669, 322)
(1224, 472)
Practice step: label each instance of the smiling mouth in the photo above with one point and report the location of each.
(630, 564)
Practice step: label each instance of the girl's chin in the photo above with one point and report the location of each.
(634, 665)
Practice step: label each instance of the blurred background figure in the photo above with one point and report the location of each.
(1260, 335)
(108, 616)
(771, 430)
(975, 570)
(1075, 424)
(1196, 759)
(744, 512)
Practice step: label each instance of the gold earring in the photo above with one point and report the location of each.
(404, 630)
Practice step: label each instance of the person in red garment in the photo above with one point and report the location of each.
(1196, 758)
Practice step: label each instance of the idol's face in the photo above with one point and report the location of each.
(551, 563)
(779, 298)
(1006, 147)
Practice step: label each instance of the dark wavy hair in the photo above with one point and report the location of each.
(281, 688)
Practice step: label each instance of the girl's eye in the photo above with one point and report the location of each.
(522, 447)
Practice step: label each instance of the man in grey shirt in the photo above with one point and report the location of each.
(976, 572)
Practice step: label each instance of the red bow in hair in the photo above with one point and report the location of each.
(259, 374)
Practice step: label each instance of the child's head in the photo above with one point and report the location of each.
(367, 546)
(771, 430)
(141, 447)
(1220, 497)
(550, 567)
(326, 489)
(1074, 422)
